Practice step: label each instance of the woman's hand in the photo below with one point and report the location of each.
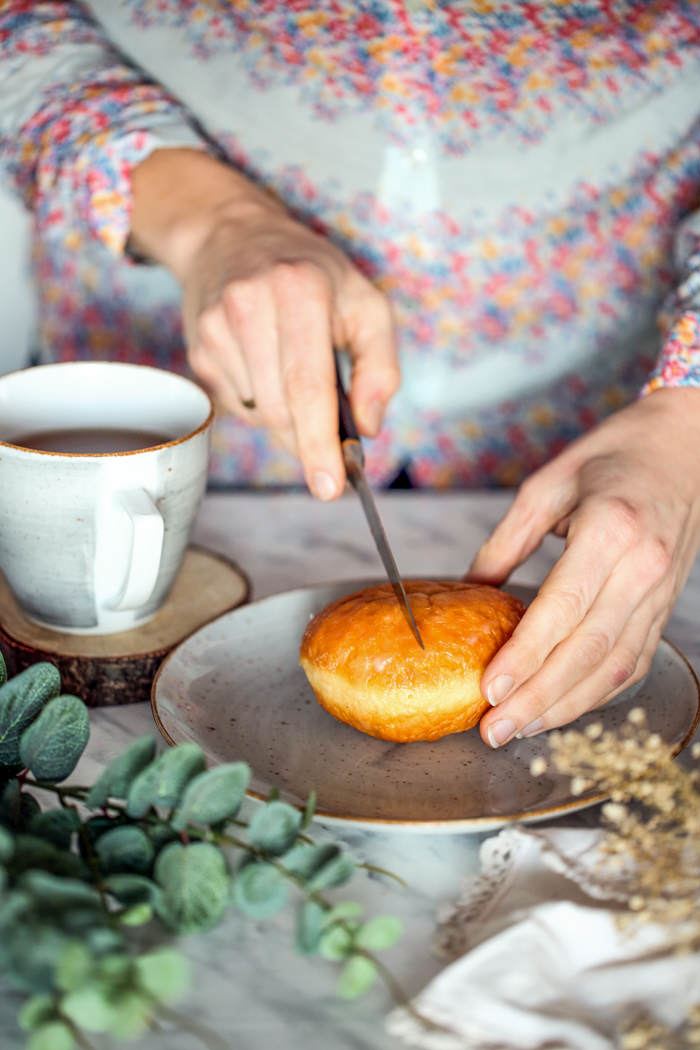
(626, 497)
(264, 301)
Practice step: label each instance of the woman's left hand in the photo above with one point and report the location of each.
(626, 497)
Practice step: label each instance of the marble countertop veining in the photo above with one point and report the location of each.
(249, 986)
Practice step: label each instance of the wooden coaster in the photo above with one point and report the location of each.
(104, 669)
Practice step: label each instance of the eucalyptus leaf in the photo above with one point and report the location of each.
(378, 933)
(55, 1035)
(89, 1007)
(103, 939)
(335, 872)
(132, 889)
(306, 858)
(73, 967)
(21, 700)
(136, 915)
(57, 826)
(163, 974)
(131, 1014)
(52, 745)
(259, 890)
(124, 849)
(37, 1010)
(274, 827)
(309, 927)
(34, 949)
(52, 891)
(213, 796)
(163, 782)
(117, 778)
(343, 910)
(356, 977)
(195, 886)
(13, 907)
(33, 852)
(337, 942)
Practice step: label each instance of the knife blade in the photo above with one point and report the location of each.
(354, 460)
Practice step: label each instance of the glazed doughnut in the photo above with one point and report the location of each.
(367, 669)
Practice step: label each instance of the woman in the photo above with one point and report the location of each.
(493, 187)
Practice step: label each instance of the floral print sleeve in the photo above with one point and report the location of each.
(75, 119)
(679, 361)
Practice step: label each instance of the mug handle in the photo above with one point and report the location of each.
(146, 548)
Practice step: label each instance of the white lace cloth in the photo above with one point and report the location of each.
(540, 962)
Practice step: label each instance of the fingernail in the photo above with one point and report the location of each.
(373, 416)
(531, 730)
(500, 732)
(498, 689)
(322, 485)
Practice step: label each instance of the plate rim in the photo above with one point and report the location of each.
(394, 823)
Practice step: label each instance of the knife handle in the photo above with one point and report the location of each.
(346, 422)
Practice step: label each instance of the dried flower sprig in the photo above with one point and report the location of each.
(651, 849)
(652, 843)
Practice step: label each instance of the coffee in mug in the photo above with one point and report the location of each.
(102, 470)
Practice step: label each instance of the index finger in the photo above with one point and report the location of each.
(308, 374)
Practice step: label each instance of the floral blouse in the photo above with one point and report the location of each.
(519, 177)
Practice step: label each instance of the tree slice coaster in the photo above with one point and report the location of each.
(104, 669)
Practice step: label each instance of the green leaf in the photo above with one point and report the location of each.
(7, 845)
(132, 889)
(379, 933)
(214, 795)
(3, 670)
(58, 893)
(52, 1036)
(74, 967)
(162, 782)
(338, 942)
(36, 1011)
(57, 826)
(305, 858)
(309, 927)
(52, 745)
(21, 700)
(259, 890)
(33, 852)
(89, 1007)
(343, 910)
(13, 907)
(116, 970)
(124, 849)
(117, 778)
(163, 974)
(131, 1014)
(333, 873)
(356, 977)
(195, 886)
(274, 827)
(103, 939)
(136, 915)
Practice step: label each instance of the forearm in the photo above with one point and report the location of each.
(179, 196)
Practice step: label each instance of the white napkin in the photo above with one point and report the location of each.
(542, 963)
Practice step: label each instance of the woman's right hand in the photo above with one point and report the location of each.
(265, 299)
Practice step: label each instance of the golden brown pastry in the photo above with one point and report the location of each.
(367, 669)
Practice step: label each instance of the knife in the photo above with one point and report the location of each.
(354, 460)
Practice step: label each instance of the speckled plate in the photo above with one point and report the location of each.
(236, 688)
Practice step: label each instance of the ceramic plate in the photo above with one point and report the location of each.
(235, 687)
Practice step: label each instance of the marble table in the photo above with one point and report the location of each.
(250, 988)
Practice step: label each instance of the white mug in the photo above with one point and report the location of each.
(91, 542)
